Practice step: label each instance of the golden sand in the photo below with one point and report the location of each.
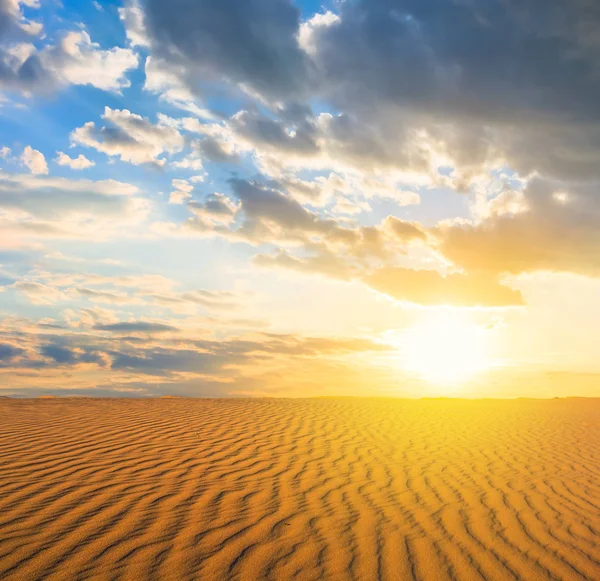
(299, 489)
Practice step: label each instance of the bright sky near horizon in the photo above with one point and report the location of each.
(267, 197)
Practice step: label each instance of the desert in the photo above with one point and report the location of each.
(307, 489)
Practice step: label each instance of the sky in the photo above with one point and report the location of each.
(222, 198)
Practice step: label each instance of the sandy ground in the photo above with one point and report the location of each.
(299, 489)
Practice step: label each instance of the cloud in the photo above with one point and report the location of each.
(78, 163)
(549, 232)
(138, 356)
(525, 96)
(99, 296)
(34, 160)
(48, 287)
(60, 355)
(405, 231)
(8, 352)
(36, 206)
(374, 160)
(412, 96)
(322, 262)
(20, 67)
(259, 213)
(12, 17)
(132, 17)
(136, 327)
(75, 59)
(131, 137)
(249, 43)
(181, 192)
(430, 288)
(265, 215)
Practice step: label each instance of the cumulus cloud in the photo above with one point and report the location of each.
(403, 103)
(181, 192)
(133, 17)
(79, 162)
(20, 67)
(131, 137)
(214, 210)
(525, 96)
(267, 215)
(414, 95)
(260, 213)
(34, 160)
(75, 59)
(79, 61)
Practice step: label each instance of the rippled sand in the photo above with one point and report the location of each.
(299, 489)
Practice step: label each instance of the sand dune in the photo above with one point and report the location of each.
(299, 489)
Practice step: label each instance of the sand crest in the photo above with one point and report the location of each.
(299, 489)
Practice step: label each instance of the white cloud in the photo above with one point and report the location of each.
(34, 160)
(11, 9)
(311, 26)
(79, 162)
(181, 192)
(132, 17)
(79, 61)
(26, 68)
(131, 137)
(164, 79)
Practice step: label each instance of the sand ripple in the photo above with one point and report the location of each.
(299, 489)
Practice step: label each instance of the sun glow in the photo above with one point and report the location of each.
(446, 349)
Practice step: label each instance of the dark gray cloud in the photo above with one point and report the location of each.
(166, 361)
(493, 60)
(136, 327)
(479, 82)
(9, 352)
(270, 133)
(266, 204)
(61, 355)
(6, 17)
(144, 361)
(265, 215)
(249, 42)
(485, 79)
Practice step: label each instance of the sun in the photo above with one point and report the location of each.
(445, 349)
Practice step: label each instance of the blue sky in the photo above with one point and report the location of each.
(272, 197)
